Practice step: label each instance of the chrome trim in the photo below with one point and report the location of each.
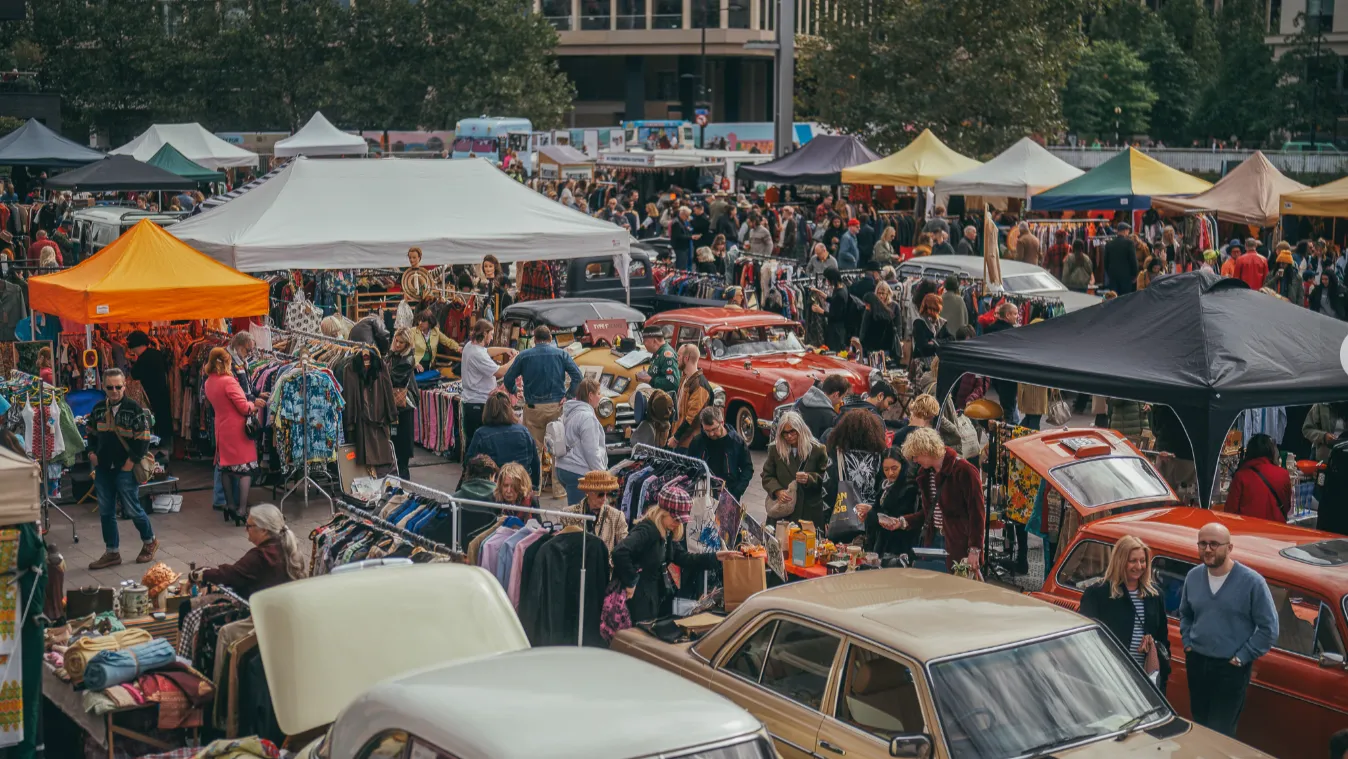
(736, 740)
(1285, 694)
(792, 744)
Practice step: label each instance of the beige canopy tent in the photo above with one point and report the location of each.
(924, 161)
(1326, 200)
(1249, 194)
(564, 162)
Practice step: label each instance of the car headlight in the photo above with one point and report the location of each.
(605, 407)
(718, 398)
(780, 390)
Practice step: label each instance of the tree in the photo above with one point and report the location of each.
(1243, 97)
(1109, 76)
(1310, 91)
(1195, 32)
(1175, 79)
(979, 73)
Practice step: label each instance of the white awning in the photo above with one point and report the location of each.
(193, 141)
(1019, 171)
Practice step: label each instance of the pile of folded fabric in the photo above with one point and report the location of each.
(80, 653)
(109, 668)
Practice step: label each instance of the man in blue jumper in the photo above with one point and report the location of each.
(546, 370)
(1227, 620)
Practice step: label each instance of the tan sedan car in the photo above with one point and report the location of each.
(908, 663)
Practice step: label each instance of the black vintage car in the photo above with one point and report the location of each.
(597, 277)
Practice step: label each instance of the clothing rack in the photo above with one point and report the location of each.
(456, 503)
(644, 452)
(46, 504)
(306, 480)
(393, 529)
(322, 337)
(235, 597)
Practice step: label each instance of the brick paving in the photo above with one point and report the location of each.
(198, 533)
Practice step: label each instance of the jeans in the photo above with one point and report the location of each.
(1216, 691)
(571, 481)
(112, 486)
(218, 493)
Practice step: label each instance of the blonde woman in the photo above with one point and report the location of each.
(795, 458)
(641, 559)
(922, 412)
(1129, 605)
(514, 487)
(883, 252)
(694, 395)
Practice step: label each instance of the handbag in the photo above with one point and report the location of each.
(252, 427)
(401, 398)
(89, 600)
(1152, 663)
(844, 524)
(614, 616)
(143, 467)
(784, 508)
(1059, 411)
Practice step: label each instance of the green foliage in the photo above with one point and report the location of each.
(1109, 76)
(979, 73)
(1310, 70)
(269, 64)
(1241, 100)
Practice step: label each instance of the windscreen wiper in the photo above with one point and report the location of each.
(1133, 724)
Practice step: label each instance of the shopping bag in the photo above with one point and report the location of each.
(743, 577)
(844, 524)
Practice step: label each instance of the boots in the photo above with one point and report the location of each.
(108, 559)
(147, 552)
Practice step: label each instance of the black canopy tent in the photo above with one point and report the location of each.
(1205, 346)
(33, 144)
(819, 161)
(119, 173)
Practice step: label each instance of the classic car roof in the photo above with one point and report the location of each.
(972, 267)
(1255, 542)
(923, 614)
(575, 703)
(569, 313)
(400, 619)
(725, 318)
(1047, 450)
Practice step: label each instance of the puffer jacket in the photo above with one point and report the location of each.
(585, 451)
(1128, 419)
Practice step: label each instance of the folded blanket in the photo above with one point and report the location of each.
(79, 653)
(109, 668)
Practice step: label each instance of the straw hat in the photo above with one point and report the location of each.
(158, 577)
(983, 409)
(598, 482)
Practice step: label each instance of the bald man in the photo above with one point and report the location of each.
(1227, 620)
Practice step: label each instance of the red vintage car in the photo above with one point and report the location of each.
(1298, 694)
(758, 359)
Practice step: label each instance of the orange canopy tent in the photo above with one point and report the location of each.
(147, 275)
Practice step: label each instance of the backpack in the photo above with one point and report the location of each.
(554, 439)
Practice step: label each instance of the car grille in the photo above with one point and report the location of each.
(623, 416)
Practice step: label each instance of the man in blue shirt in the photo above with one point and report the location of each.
(545, 369)
(1227, 620)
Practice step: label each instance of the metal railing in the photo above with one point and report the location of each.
(1201, 161)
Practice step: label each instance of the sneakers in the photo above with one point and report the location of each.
(108, 559)
(147, 552)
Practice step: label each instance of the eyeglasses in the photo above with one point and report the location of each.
(790, 432)
(1204, 545)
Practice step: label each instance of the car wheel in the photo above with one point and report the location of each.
(746, 423)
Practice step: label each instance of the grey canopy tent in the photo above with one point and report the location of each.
(819, 161)
(1205, 346)
(119, 173)
(33, 144)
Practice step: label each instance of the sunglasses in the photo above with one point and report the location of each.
(110, 388)
(790, 432)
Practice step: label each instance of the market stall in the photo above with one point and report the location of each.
(1205, 346)
(1326, 200)
(925, 160)
(33, 144)
(170, 159)
(564, 162)
(818, 162)
(456, 212)
(1017, 172)
(1248, 194)
(117, 173)
(193, 141)
(319, 137)
(1127, 182)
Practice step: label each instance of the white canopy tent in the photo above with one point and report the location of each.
(1017, 172)
(193, 141)
(320, 137)
(316, 214)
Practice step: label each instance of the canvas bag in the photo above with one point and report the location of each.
(844, 524)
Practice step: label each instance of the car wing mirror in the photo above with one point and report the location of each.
(916, 746)
(1330, 660)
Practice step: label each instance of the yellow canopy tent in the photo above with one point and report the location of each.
(1326, 200)
(147, 275)
(924, 161)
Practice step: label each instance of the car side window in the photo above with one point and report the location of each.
(1085, 565)
(1168, 574)
(636, 270)
(390, 745)
(878, 695)
(747, 662)
(1305, 623)
(689, 335)
(799, 662)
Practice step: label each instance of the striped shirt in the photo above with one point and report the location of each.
(1138, 616)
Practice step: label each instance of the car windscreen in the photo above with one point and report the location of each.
(755, 341)
(1097, 482)
(1037, 696)
(1032, 283)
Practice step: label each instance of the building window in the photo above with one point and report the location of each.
(631, 14)
(1319, 16)
(767, 15)
(666, 85)
(705, 13)
(667, 14)
(558, 13)
(594, 14)
(739, 14)
(1274, 16)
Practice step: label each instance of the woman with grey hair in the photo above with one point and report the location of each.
(275, 557)
(794, 459)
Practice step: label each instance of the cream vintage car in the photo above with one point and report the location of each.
(909, 663)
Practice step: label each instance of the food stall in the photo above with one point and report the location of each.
(564, 162)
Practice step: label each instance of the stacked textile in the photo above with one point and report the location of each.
(109, 668)
(78, 655)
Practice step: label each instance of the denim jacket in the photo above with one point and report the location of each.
(545, 368)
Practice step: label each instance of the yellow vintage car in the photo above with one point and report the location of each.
(604, 338)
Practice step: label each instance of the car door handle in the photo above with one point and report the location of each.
(830, 747)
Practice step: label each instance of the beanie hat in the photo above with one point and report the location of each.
(678, 503)
(854, 222)
(1285, 257)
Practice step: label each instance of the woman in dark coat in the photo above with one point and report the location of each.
(1326, 298)
(1128, 604)
(929, 330)
(641, 561)
(150, 369)
(403, 372)
(877, 325)
(888, 529)
(833, 235)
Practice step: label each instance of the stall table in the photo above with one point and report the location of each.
(103, 728)
(806, 573)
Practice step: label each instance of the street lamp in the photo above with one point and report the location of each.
(701, 96)
(1117, 111)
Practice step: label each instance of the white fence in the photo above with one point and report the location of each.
(1211, 161)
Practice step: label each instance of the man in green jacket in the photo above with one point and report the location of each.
(664, 369)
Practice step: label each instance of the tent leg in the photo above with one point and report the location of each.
(32, 324)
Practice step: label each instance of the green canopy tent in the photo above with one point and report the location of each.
(169, 159)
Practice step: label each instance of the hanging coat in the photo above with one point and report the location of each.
(370, 411)
(550, 605)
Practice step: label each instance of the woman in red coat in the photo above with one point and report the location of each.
(1260, 488)
(235, 453)
(951, 493)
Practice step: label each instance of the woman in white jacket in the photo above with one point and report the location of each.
(583, 438)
